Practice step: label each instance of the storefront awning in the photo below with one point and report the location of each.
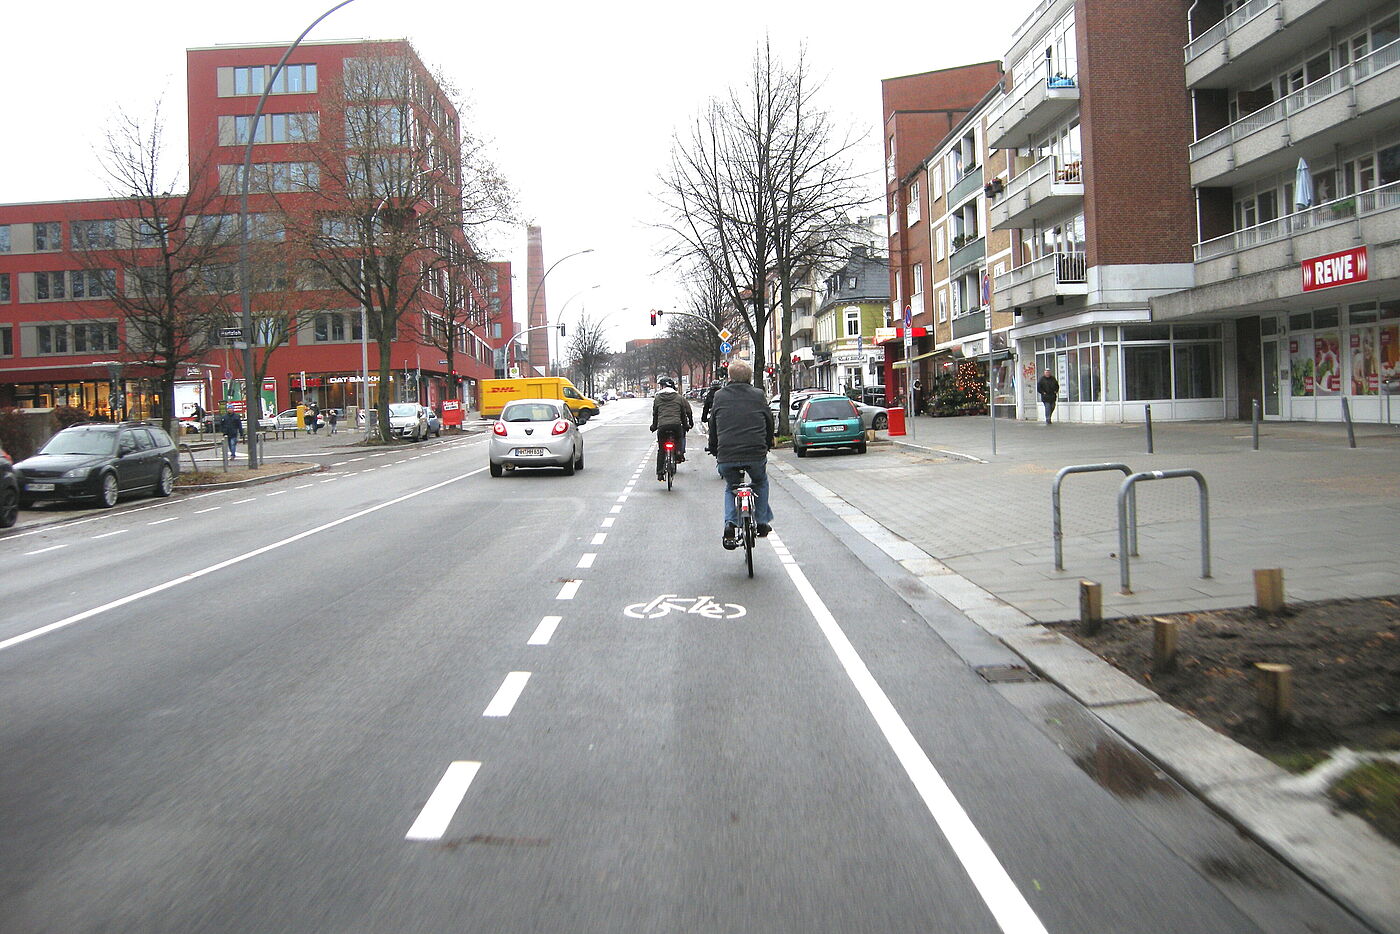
(885, 335)
(902, 364)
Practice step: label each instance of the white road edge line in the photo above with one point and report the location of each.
(1006, 903)
(238, 559)
(442, 805)
(545, 630)
(509, 692)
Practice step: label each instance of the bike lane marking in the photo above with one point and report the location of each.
(1006, 903)
(443, 803)
(545, 630)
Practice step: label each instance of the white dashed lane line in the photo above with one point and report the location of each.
(163, 521)
(587, 560)
(506, 696)
(569, 589)
(608, 523)
(437, 813)
(200, 512)
(40, 551)
(615, 510)
(545, 630)
(600, 537)
(110, 534)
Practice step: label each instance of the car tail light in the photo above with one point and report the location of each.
(560, 427)
(499, 429)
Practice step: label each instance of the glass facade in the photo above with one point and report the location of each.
(1135, 363)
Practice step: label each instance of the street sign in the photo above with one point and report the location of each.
(231, 334)
(442, 363)
(725, 347)
(908, 317)
(724, 335)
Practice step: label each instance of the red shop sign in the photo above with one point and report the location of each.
(1344, 268)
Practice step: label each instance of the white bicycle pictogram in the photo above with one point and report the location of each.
(668, 603)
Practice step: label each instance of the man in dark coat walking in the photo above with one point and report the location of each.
(1049, 388)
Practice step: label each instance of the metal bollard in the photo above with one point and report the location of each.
(1148, 407)
(1351, 429)
(1255, 420)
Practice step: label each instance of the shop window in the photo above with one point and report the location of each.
(1300, 365)
(1147, 332)
(1110, 373)
(1302, 321)
(1197, 371)
(1147, 372)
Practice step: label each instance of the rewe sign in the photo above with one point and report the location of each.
(1323, 272)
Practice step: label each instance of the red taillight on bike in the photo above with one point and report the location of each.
(499, 429)
(560, 427)
(670, 445)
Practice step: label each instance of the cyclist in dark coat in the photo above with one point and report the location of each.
(671, 417)
(741, 435)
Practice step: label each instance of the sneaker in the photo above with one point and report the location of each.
(661, 476)
(680, 459)
(731, 536)
(763, 529)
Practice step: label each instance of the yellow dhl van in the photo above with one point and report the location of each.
(495, 393)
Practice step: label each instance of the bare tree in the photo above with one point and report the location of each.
(399, 186)
(174, 254)
(588, 353)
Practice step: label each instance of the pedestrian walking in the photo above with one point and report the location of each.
(314, 417)
(232, 426)
(1049, 388)
(331, 419)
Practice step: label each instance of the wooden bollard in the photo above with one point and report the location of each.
(1268, 589)
(1163, 644)
(1274, 684)
(1090, 607)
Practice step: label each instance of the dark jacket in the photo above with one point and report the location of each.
(741, 424)
(231, 424)
(1048, 387)
(709, 400)
(669, 409)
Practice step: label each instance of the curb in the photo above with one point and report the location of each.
(924, 449)
(251, 481)
(1339, 853)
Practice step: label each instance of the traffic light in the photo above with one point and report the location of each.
(561, 329)
(653, 318)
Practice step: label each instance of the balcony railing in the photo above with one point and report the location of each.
(1237, 18)
(1069, 268)
(1384, 198)
(1309, 94)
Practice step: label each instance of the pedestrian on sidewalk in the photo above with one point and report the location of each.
(232, 426)
(1049, 389)
(314, 419)
(331, 419)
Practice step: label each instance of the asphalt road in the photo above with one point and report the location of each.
(402, 695)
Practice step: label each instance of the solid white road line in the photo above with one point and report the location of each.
(999, 893)
(437, 813)
(509, 692)
(42, 550)
(600, 537)
(202, 572)
(587, 560)
(545, 630)
(566, 592)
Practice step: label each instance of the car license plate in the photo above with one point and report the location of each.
(530, 452)
(832, 428)
(38, 487)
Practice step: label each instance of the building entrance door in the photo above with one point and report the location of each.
(1270, 373)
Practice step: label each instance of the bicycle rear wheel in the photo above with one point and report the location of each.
(670, 468)
(748, 533)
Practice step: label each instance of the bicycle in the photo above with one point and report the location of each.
(670, 461)
(745, 505)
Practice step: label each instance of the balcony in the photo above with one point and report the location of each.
(1049, 188)
(970, 183)
(1028, 111)
(1262, 32)
(1042, 281)
(972, 321)
(1365, 96)
(803, 324)
(1282, 243)
(965, 253)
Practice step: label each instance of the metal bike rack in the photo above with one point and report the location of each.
(1055, 521)
(1126, 494)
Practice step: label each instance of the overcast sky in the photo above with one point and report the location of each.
(581, 99)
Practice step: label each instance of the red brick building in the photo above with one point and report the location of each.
(63, 341)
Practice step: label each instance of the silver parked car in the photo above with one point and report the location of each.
(408, 420)
(535, 433)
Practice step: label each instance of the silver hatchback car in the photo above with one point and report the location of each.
(535, 433)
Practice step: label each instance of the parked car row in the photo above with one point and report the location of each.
(98, 461)
(875, 417)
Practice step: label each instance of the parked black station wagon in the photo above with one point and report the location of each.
(101, 462)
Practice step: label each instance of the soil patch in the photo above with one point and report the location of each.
(1345, 656)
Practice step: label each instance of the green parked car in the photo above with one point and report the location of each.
(828, 422)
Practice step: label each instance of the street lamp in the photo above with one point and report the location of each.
(553, 371)
(253, 395)
(530, 309)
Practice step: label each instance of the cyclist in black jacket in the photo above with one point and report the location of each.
(741, 435)
(671, 417)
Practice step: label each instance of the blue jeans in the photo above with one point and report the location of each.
(232, 445)
(758, 479)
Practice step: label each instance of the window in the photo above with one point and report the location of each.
(277, 128)
(272, 177)
(91, 283)
(913, 204)
(942, 305)
(292, 79)
(938, 248)
(53, 338)
(4, 238)
(378, 125)
(852, 282)
(852, 322)
(94, 338)
(48, 237)
(49, 285)
(4, 286)
(94, 235)
(7, 341)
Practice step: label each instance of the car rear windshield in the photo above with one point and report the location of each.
(529, 412)
(830, 408)
(81, 441)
